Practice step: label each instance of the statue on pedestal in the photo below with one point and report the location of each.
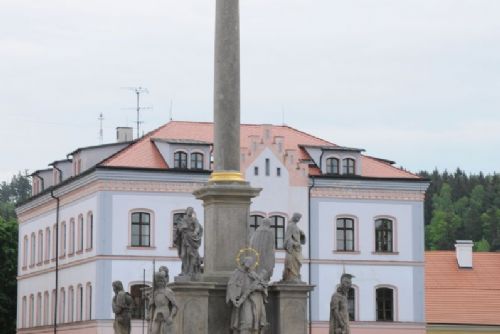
(122, 304)
(188, 239)
(339, 308)
(162, 307)
(247, 294)
(294, 239)
(262, 241)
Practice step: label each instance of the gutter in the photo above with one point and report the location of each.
(57, 259)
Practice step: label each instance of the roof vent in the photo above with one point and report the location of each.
(463, 249)
(124, 134)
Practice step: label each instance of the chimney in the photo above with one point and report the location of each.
(124, 134)
(463, 249)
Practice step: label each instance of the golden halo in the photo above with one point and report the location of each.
(246, 251)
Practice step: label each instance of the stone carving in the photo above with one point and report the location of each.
(294, 239)
(339, 310)
(188, 240)
(122, 304)
(262, 241)
(162, 307)
(247, 294)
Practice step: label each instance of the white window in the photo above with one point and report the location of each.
(141, 229)
(32, 311)
(88, 302)
(23, 313)
(33, 249)
(80, 233)
(79, 303)
(71, 236)
(40, 247)
(25, 251)
(62, 239)
(62, 306)
(71, 304)
(54, 244)
(46, 308)
(90, 230)
(47, 244)
(39, 309)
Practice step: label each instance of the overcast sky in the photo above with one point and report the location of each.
(415, 81)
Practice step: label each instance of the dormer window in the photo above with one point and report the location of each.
(332, 166)
(348, 166)
(196, 161)
(180, 160)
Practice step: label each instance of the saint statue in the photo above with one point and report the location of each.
(294, 239)
(262, 241)
(188, 240)
(339, 309)
(162, 307)
(122, 305)
(247, 294)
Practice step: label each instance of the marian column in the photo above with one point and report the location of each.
(227, 196)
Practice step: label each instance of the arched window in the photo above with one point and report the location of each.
(384, 235)
(332, 166)
(345, 234)
(90, 230)
(33, 249)
(348, 166)
(88, 302)
(32, 311)
(47, 244)
(39, 309)
(54, 244)
(23, 313)
(196, 161)
(278, 225)
(255, 221)
(40, 247)
(80, 234)
(137, 292)
(53, 307)
(46, 308)
(176, 220)
(71, 236)
(25, 251)
(79, 303)
(385, 304)
(62, 239)
(62, 306)
(351, 304)
(141, 229)
(71, 304)
(180, 160)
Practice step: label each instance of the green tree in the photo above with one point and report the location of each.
(8, 282)
(482, 246)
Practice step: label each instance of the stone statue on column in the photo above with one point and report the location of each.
(188, 240)
(262, 241)
(162, 307)
(122, 304)
(294, 239)
(247, 294)
(339, 307)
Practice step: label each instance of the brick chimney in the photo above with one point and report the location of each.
(463, 250)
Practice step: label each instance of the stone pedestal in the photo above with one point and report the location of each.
(287, 308)
(227, 209)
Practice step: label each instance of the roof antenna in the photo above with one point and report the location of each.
(100, 118)
(138, 91)
(171, 110)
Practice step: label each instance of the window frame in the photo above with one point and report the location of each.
(345, 229)
(393, 231)
(394, 306)
(274, 226)
(151, 229)
(80, 234)
(180, 156)
(194, 163)
(347, 168)
(253, 223)
(329, 166)
(72, 237)
(90, 231)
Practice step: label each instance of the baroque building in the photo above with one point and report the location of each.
(109, 213)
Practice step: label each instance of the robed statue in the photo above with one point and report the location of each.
(247, 294)
(162, 307)
(122, 304)
(339, 307)
(294, 239)
(262, 241)
(188, 239)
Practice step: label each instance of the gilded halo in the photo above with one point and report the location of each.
(244, 252)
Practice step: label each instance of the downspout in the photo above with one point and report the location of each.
(57, 259)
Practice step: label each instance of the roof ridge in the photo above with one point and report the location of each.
(391, 166)
(308, 134)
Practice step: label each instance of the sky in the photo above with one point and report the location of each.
(414, 81)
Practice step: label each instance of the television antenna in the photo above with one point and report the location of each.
(138, 91)
(101, 134)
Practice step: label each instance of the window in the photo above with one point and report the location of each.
(47, 244)
(180, 160)
(256, 171)
(62, 306)
(62, 239)
(33, 249)
(39, 309)
(385, 304)
(348, 166)
(71, 304)
(137, 293)
(88, 302)
(54, 244)
(345, 234)
(52, 309)
(140, 229)
(196, 161)
(79, 303)
(351, 304)
(177, 218)
(71, 236)
(40, 247)
(90, 230)
(268, 167)
(46, 308)
(278, 171)
(32, 311)
(255, 221)
(332, 166)
(23, 313)
(383, 235)
(25, 251)
(278, 224)
(80, 233)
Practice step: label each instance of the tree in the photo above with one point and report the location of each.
(8, 282)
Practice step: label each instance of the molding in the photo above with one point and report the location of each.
(370, 262)
(367, 194)
(379, 325)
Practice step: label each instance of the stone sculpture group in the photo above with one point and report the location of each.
(339, 307)
(188, 239)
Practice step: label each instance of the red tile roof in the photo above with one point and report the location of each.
(144, 154)
(462, 296)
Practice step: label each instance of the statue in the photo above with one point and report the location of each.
(188, 240)
(162, 307)
(122, 304)
(339, 310)
(294, 239)
(262, 241)
(247, 294)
